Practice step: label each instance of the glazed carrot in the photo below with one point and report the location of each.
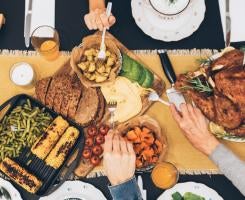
(131, 135)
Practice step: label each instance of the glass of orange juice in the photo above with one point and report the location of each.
(45, 40)
(165, 175)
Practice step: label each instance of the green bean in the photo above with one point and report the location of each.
(28, 122)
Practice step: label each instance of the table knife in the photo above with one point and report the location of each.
(228, 23)
(140, 184)
(27, 31)
(173, 95)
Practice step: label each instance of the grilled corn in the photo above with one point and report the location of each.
(62, 148)
(20, 175)
(48, 140)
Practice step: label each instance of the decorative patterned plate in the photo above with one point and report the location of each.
(14, 194)
(168, 28)
(196, 188)
(75, 190)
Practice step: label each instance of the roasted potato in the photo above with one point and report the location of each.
(95, 70)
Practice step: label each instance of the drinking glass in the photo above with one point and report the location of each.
(45, 40)
(165, 175)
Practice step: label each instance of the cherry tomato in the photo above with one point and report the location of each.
(95, 160)
(97, 150)
(89, 142)
(103, 129)
(92, 131)
(100, 139)
(87, 153)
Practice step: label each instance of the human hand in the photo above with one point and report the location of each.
(195, 127)
(97, 19)
(119, 159)
(2, 20)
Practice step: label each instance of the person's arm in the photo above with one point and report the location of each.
(119, 165)
(2, 20)
(128, 190)
(195, 128)
(96, 18)
(96, 4)
(230, 165)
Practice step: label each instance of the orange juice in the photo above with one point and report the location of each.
(165, 175)
(49, 49)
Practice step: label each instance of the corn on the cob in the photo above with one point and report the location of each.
(62, 148)
(20, 175)
(48, 140)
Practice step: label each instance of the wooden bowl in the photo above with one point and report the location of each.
(94, 42)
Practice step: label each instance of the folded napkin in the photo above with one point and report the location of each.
(43, 13)
(237, 14)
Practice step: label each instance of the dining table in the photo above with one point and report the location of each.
(69, 22)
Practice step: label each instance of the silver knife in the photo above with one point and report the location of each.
(27, 31)
(174, 96)
(140, 184)
(228, 23)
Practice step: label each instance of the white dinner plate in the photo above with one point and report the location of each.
(15, 195)
(76, 190)
(168, 28)
(196, 188)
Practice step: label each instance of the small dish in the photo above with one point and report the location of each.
(86, 65)
(143, 144)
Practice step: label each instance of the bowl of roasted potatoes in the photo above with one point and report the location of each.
(92, 71)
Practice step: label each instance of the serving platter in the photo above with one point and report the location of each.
(48, 175)
(217, 89)
(66, 69)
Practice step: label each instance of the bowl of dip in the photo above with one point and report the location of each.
(22, 74)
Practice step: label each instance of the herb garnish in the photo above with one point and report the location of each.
(198, 85)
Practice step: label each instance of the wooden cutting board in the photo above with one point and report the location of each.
(158, 85)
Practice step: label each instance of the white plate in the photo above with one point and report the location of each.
(15, 195)
(168, 28)
(75, 190)
(196, 188)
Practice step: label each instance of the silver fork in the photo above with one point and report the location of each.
(112, 105)
(102, 52)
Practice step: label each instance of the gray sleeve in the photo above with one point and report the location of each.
(230, 165)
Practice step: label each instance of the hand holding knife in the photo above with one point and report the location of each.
(27, 31)
(173, 95)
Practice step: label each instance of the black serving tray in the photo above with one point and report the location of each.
(33, 164)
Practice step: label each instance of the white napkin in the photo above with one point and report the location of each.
(43, 13)
(237, 14)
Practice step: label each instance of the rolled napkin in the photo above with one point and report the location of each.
(2, 20)
(43, 13)
(237, 15)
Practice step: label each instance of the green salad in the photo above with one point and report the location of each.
(187, 196)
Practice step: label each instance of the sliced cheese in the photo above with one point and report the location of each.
(127, 95)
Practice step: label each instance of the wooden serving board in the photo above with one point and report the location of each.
(158, 85)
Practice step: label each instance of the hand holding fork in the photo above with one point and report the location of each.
(112, 105)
